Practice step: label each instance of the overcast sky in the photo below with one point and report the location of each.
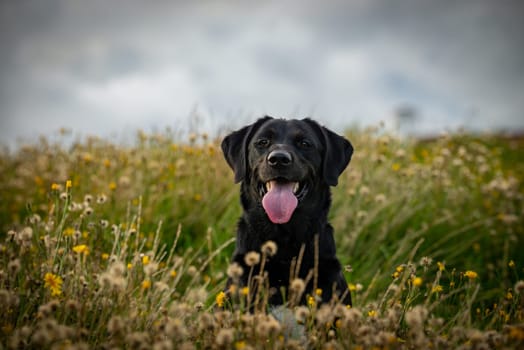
(107, 67)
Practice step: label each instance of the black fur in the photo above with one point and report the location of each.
(318, 158)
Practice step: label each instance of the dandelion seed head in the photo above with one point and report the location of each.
(192, 271)
(150, 268)
(297, 286)
(235, 271)
(269, 248)
(26, 234)
(425, 261)
(176, 328)
(301, 314)
(14, 267)
(225, 337)
(252, 258)
(519, 287)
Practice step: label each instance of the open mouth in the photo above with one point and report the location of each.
(280, 198)
(299, 189)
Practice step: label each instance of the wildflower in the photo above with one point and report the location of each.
(81, 249)
(471, 275)
(252, 258)
(395, 167)
(437, 289)
(145, 259)
(269, 248)
(173, 273)
(146, 284)
(318, 292)
(68, 231)
(441, 266)
(240, 345)
(311, 301)
(54, 283)
(112, 185)
(105, 256)
(129, 266)
(417, 281)
(511, 264)
(509, 295)
(55, 187)
(220, 299)
(245, 291)
(69, 184)
(197, 197)
(372, 313)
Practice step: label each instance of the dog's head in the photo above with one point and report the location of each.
(282, 160)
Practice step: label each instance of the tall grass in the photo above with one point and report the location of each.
(107, 246)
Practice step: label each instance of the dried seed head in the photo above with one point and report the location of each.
(225, 337)
(269, 248)
(297, 286)
(235, 271)
(252, 258)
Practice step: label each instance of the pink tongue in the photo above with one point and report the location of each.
(280, 202)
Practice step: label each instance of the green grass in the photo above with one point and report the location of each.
(430, 232)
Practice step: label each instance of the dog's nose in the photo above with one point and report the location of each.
(282, 158)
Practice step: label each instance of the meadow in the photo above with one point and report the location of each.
(113, 246)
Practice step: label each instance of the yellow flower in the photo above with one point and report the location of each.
(81, 249)
(311, 301)
(352, 287)
(69, 184)
(69, 231)
(511, 264)
(240, 345)
(399, 268)
(146, 284)
(197, 197)
(54, 283)
(55, 187)
(245, 291)
(441, 266)
(417, 281)
(372, 313)
(145, 260)
(129, 266)
(437, 289)
(173, 273)
(318, 292)
(112, 185)
(395, 167)
(105, 256)
(471, 274)
(220, 299)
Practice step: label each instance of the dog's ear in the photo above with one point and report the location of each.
(234, 147)
(337, 152)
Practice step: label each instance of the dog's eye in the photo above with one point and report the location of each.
(304, 143)
(262, 143)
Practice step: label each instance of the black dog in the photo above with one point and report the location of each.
(286, 168)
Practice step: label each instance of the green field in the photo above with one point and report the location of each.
(127, 246)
